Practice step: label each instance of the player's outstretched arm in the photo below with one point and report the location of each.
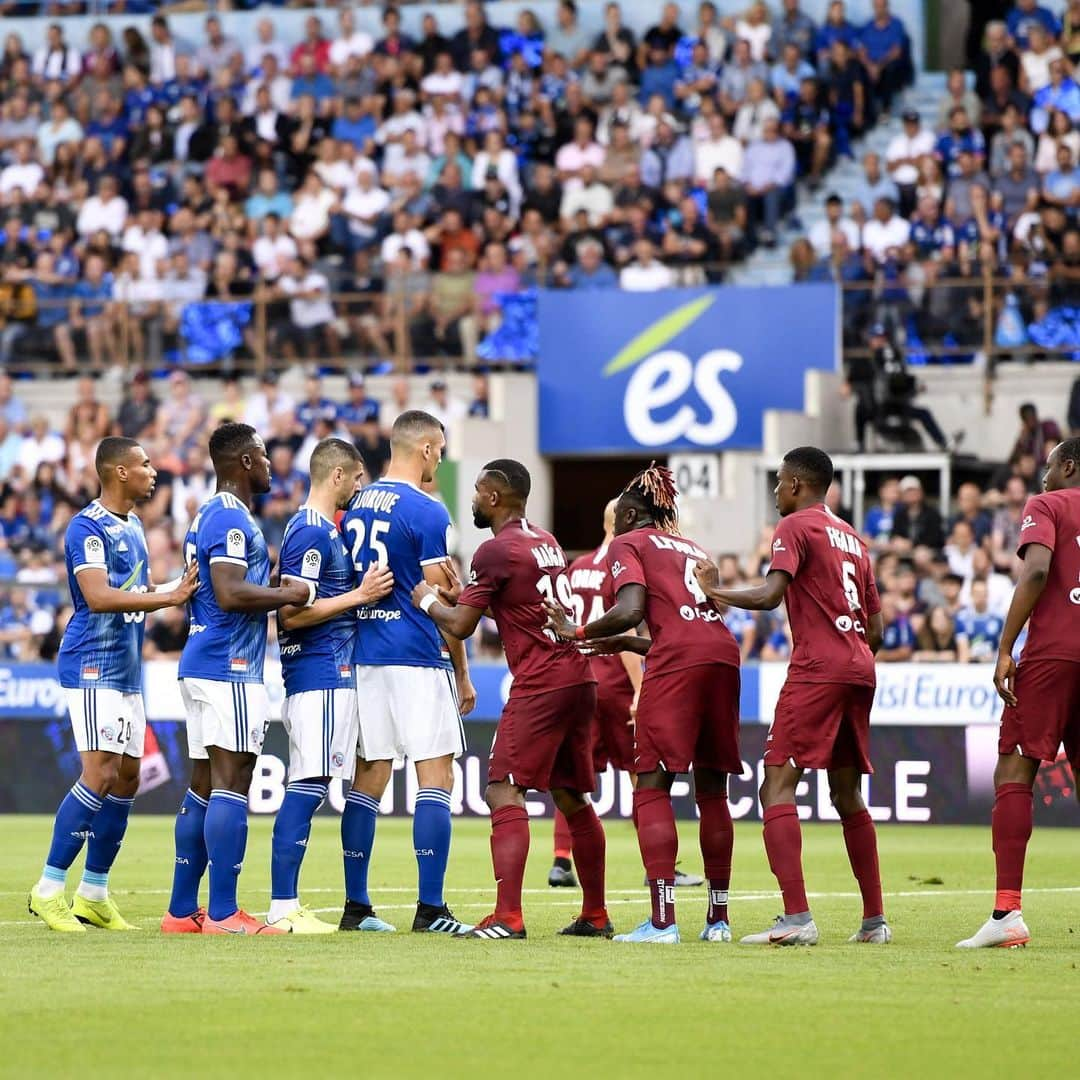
(234, 592)
(764, 597)
(444, 579)
(624, 615)
(377, 583)
(623, 644)
(1026, 595)
(458, 622)
(101, 597)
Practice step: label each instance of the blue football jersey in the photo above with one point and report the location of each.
(395, 524)
(317, 657)
(982, 630)
(104, 649)
(229, 646)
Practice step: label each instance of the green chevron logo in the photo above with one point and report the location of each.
(130, 583)
(655, 336)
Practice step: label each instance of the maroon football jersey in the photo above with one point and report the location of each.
(513, 573)
(590, 584)
(831, 596)
(686, 629)
(1053, 520)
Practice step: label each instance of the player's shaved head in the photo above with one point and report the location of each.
(331, 454)
(112, 451)
(609, 517)
(510, 475)
(1063, 466)
(412, 429)
(812, 466)
(230, 441)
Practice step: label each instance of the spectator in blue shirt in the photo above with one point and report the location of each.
(314, 83)
(1062, 186)
(90, 312)
(1061, 94)
(978, 630)
(268, 198)
(898, 640)
(960, 138)
(1026, 14)
(659, 76)
(884, 50)
(359, 409)
(354, 125)
(590, 271)
(314, 406)
(876, 184)
(930, 233)
(834, 28)
(878, 526)
(788, 74)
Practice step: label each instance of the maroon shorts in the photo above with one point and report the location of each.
(544, 741)
(1047, 711)
(821, 726)
(688, 718)
(613, 734)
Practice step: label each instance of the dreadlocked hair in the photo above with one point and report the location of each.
(655, 489)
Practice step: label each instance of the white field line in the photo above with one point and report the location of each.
(638, 895)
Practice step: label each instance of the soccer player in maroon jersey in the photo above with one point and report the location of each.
(544, 736)
(688, 709)
(821, 567)
(617, 681)
(1042, 692)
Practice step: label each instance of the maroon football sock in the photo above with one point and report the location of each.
(509, 853)
(563, 844)
(861, 840)
(783, 845)
(659, 844)
(1010, 825)
(590, 856)
(716, 834)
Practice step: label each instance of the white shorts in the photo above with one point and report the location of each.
(408, 712)
(229, 715)
(107, 720)
(323, 729)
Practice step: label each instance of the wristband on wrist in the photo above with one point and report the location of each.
(428, 601)
(579, 633)
(312, 587)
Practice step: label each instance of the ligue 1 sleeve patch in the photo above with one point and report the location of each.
(311, 564)
(236, 544)
(94, 550)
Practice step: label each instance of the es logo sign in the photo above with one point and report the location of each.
(663, 377)
(698, 371)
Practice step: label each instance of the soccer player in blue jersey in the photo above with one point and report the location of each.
(413, 695)
(100, 669)
(320, 712)
(221, 681)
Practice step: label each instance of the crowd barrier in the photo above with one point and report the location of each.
(934, 745)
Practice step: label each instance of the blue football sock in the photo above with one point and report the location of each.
(357, 840)
(431, 839)
(71, 829)
(109, 828)
(292, 827)
(226, 832)
(190, 855)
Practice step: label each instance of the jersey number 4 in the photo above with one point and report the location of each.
(358, 531)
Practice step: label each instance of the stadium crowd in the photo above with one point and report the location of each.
(989, 189)
(152, 188)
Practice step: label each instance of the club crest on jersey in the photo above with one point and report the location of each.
(235, 544)
(338, 759)
(238, 665)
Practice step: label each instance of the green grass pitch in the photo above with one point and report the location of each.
(143, 1005)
